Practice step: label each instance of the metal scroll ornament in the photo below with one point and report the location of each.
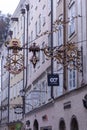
(69, 52)
(73, 57)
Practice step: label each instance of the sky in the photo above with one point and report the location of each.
(8, 6)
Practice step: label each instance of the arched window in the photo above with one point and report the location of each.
(62, 125)
(74, 124)
(35, 126)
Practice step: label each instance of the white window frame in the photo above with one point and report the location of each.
(72, 79)
(39, 23)
(38, 63)
(31, 13)
(60, 31)
(43, 91)
(36, 29)
(43, 55)
(43, 16)
(29, 21)
(31, 35)
(71, 27)
(49, 40)
(49, 6)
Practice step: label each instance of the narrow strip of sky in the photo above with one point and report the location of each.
(8, 6)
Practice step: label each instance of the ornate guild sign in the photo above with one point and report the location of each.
(14, 60)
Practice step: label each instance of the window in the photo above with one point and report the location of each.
(60, 31)
(36, 4)
(11, 93)
(30, 69)
(46, 128)
(31, 35)
(43, 16)
(17, 27)
(38, 62)
(21, 22)
(58, 90)
(72, 20)
(62, 125)
(31, 13)
(22, 40)
(15, 90)
(72, 78)
(43, 93)
(58, 1)
(35, 98)
(43, 55)
(29, 18)
(49, 6)
(59, 35)
(36, 31)
(49, 40)
(14, 31)
(43, 20)
(29, 40)
(74, 124)
(39, 23)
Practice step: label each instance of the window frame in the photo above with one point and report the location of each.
(72, 79)
(60, 31)
(71, 14)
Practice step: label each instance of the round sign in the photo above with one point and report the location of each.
(18, 110)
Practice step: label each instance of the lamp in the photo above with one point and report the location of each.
(22, 92)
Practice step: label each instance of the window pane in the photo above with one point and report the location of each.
(72, 20)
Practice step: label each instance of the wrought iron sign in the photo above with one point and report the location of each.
(18, 109)
(14, 60)
(72, 55)
(34, 49)
(69, 52)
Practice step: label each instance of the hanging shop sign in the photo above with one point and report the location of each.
(53, 79)
(18, 110)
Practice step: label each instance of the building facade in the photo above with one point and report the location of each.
(4, 90)
(50, 23)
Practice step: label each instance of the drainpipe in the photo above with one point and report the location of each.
(1, 83)
(23, 13)
(64, 41)
(52, 96)
(8, 90)
(27, 8)
(10, 34)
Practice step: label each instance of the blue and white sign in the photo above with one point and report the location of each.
(53, 79)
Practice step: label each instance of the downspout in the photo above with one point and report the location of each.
(52, 96)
